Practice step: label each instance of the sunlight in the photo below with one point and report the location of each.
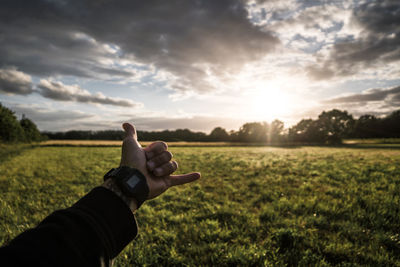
(269, 100)
(269, 103)
(266, 93)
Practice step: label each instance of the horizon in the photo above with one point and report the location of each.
(286, 127)
(196, 65)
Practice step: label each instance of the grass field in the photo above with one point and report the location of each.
(255, 206)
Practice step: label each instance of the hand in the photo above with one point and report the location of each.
(154, 162)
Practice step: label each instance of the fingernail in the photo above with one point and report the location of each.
(158, 171)
(150, 164)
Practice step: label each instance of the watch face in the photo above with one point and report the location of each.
(133, 181)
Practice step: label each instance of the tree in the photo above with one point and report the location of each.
(10, 129)
(31, 132)
(253, 132)
(307, 130)
(368, 126)
(335, 125)
(275, 131)
(219, 134)
(233, 136)
(391, 124)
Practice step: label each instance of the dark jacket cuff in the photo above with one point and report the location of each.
(112, 220)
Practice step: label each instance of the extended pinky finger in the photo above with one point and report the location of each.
(183, 178)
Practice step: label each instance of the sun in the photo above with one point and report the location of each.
(269, 100)
(270, 96)
(269, 104)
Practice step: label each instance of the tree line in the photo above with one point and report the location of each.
(329, 128)
(335, 125)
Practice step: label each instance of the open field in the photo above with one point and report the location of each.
(253, 206)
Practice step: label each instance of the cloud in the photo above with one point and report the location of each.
(190, 40)
(53, 119)
(379, 101)
(369, 95)
(376, 42)
(45, 115)
(61, 92)
(13, 81)
(310, 20)
(47, 118)
(46, 48)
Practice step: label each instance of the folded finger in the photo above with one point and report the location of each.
(155, 149)
(166, 169)
(159, 160)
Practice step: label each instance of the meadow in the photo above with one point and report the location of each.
(253, 206)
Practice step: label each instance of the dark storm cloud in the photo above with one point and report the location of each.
(44, 48)
(189, 39)
(377, 44)
(15, 82)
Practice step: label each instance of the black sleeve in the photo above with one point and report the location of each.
(90, 233)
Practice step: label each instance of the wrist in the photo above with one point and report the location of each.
(128, 183)
(129, 201)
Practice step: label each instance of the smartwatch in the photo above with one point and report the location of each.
(131, 182)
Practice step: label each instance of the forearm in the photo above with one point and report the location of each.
(90, 233)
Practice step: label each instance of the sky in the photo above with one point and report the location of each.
(93, 64)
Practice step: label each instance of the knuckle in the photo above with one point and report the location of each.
(175, 165)
(163, 145)
(164, 157)
(167, 155)
(169, 167)
(149, 154)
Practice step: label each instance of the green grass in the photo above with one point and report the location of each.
(10, 150)
(253, 206)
